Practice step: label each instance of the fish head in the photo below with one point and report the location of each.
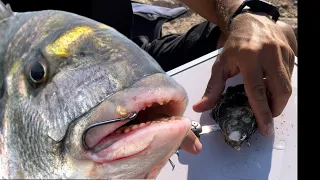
(235, 116)
(61, 73)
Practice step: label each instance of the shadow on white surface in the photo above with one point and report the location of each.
(268, 158)
(249, 163)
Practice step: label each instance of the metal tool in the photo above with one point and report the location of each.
(130, 117)
(195, 127)
(199, 130)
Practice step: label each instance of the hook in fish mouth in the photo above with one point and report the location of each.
(130, 117)
(154, 113)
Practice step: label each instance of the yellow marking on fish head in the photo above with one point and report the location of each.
(103, 26)
(14, 68)
(99, 42)
(63, 45)
(17, 82)
(22, 88)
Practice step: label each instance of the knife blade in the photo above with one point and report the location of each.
(210, 128)
(198, 129)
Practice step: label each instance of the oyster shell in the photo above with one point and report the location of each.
(235, 116)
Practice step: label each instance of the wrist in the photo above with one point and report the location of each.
(248, 15)
(224, 11)
(249, 21)
(268, 9)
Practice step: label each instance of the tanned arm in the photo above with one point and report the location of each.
(262, 51)
(215, 11)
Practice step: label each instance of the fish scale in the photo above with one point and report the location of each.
(59, 74)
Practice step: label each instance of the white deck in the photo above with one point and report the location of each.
(273, 158)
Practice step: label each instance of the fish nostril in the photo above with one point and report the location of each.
(82, 54)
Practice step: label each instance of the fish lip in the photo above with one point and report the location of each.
(110, 154)
(175, 99)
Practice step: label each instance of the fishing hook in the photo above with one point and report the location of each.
(172, 164)
(130, 117)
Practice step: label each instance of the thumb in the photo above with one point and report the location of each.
(191, 144)
(215, 87)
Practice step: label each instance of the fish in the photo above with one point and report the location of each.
(60, 73)
(235, 117)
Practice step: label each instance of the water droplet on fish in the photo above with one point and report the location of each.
(56, 136)
(280, 145)
(248, 169)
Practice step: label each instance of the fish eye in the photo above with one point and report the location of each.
(37, 72)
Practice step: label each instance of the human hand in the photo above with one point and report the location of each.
(191, 144)
(263, 52)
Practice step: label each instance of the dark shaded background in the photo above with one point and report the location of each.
(116, 13)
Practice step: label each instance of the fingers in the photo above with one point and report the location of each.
(256, 91)
(191, 144)
(290, 36)
(278, 83)
(214, 88)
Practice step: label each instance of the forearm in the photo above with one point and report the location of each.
(215, 11)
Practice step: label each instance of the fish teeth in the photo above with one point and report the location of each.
(136, 126)
(127, 130)
(160, 102)
(119, 131)
(142, 125)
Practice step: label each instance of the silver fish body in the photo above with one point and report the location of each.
(60, 73)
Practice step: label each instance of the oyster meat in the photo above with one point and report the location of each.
(235, 116)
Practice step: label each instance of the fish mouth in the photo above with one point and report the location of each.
(158, 120)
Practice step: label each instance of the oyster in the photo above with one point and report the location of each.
(235, 116)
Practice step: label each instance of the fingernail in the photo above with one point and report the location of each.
(202, 98)
(197, 146)
(197, 103)
(270, 129)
